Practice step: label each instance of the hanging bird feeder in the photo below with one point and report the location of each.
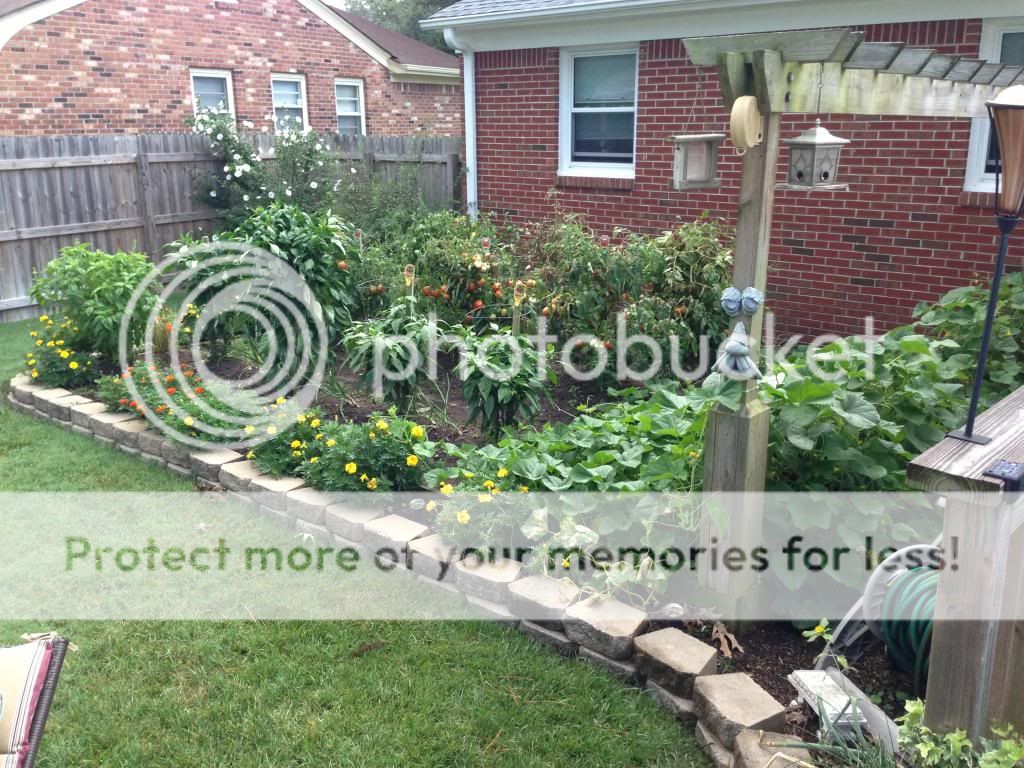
(814, 158)
(695, 164)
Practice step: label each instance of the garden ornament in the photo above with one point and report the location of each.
(736, 362)
(746, 302)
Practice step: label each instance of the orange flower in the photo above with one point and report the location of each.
(199, 390)
(171, 390)
(168, 327)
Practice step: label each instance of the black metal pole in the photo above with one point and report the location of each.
(1006, 226)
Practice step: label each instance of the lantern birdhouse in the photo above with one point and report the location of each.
(814, 158)
(696, 161)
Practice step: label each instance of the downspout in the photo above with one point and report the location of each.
(469, 99)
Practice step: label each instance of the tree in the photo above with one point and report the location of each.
(403, 16)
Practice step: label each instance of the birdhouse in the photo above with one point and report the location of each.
(814, 158)
(696, 161)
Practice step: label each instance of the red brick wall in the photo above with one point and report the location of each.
(122, 66)
(898, 236)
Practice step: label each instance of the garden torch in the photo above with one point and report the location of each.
(1006, 112)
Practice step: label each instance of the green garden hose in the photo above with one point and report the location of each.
(907, 619)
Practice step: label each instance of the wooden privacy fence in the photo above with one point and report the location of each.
(136, 192)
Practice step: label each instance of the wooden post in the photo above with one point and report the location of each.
(736, 442)
(143, 184)
(976, 673)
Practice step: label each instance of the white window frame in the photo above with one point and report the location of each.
(362, 102)
(225, 74)
(991, 47)
(566, 165)
(290, 78)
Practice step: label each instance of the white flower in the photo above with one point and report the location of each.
(236, 157)
(312, 185)
(213, 193)
(319, 147)
(220, 136)
(288, 192)
(320, 163)
(245, 198)
(270, 195)
(354, 171)
(227, 169)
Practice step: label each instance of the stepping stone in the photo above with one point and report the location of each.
(604, 625)
(488, 580)
(680, 707)
(557, 641)
(61, 408)
(623, 670)
(272, 491)
(309, 504)
(432, 557)
(755, 749)
(102, 424)
(152, 442)
(542, 599)
(349, 522)
(23, 392)
(41, 398)
(81, 414)
(207, 464)
(713, 748)
(175, 453)
(237, 475)
(126, 433)
(728, 704)
(674, 659)
(388, 537)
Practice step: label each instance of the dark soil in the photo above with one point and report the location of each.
(772, 650)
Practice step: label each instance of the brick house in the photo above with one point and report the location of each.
(133, 66)
(581, 96)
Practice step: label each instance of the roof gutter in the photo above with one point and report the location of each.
(469, 101)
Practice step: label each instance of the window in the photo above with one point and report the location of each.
(348, 96)
(1002, 40)
(211, 90)
(598, 113)
(289, 102)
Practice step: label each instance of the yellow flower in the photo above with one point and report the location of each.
(373, 435)
(502, 473)
(488, 484)
(412, 460)
(417, 432)
(296, 454)
(250, 455)
(483, 498)
(301, 418)
(295, 444)
(314, 460)
(372, 485)
(39, 342)
(314, 423)
(351, 468)
(49, 343)
(331, 443)
(271, 430)
(382, 425)
(319, 436)
(249, 429)
(59, 342)
(43, 318)
(35, 374)
(33, 334)
(189, 421)
(280, 401)
(467, 474)
(463, 517)
(565, 563)
(447, 489)
(431, 506)
(523, 489)
(364, 477)
(819, 630)
(495, 490)
(73, 365)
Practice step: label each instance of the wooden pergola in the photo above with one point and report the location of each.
(833, 71)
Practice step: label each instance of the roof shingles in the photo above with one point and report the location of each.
(485, 7)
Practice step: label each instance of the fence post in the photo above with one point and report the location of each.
(143, 184)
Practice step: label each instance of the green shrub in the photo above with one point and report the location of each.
(294, 445)
(925, 748)
(501, 383)
(91, 290)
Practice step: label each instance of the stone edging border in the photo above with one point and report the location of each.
(736, 721)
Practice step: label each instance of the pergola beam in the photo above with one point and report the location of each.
(831, 88)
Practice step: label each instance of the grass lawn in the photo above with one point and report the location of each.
(268, 694)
